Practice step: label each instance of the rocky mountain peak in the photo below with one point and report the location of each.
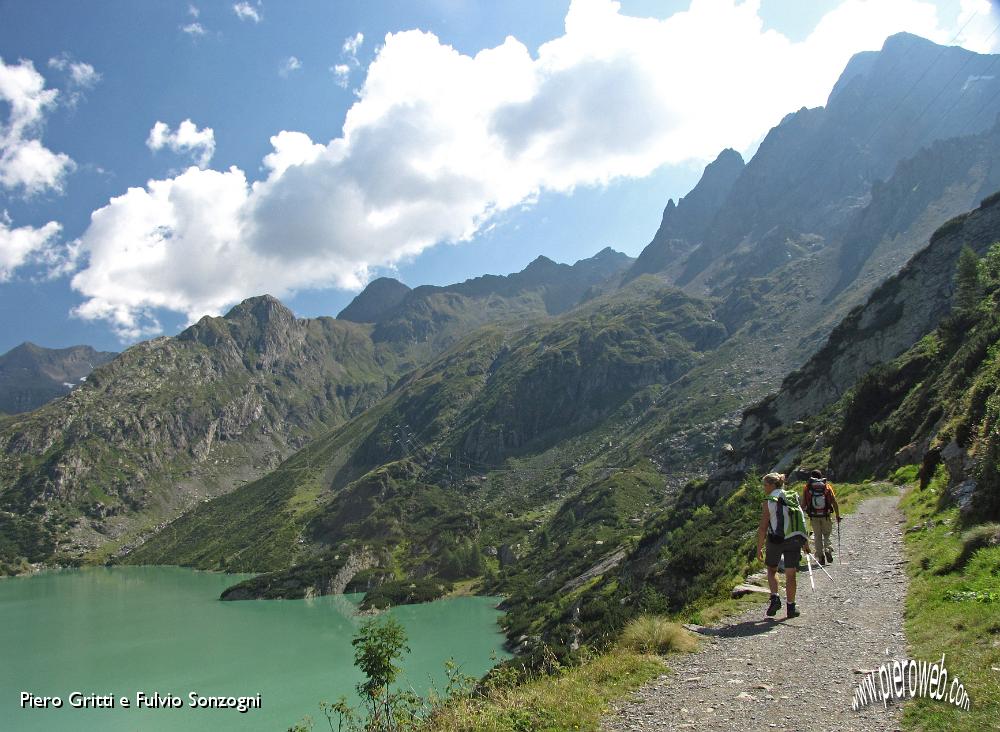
(261, 309)
(684, 224)
(539, 262)
(606, 253)
(814, 171)
(379, 297)
(261, 330)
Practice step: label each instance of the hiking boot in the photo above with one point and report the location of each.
(829, 556)
(792, 612)
(774, 606)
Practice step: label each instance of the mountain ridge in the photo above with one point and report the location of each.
(173, 421)
(32, 375)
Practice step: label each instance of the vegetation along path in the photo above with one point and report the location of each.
(754, 672)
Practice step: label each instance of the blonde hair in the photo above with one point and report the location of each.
(775, 479)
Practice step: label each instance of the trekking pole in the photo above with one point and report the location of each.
(840, 552)
(809, 565)
(813, 559)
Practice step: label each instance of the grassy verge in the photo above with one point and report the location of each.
(953, 608)
(574, 699)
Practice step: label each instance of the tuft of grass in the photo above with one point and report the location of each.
(573, 700)
(906, 475)
(976, 538)
(657, 634)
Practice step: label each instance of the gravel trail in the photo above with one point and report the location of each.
(754, 672)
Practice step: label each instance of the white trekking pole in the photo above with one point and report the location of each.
(813, 559)
(809, 564)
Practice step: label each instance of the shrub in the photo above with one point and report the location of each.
(656, 634)
(906, 474)
(379, 645)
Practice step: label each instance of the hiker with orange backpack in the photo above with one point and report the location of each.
(820, 502)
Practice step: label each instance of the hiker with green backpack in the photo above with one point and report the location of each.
(783, 528)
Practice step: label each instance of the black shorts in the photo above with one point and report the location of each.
(790, 548)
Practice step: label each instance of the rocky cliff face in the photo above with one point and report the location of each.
(933, 407)
(899, 312)
(815, 170)
(942, 180)
(684, 225)
(31, 376)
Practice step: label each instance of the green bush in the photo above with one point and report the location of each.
(906, 475)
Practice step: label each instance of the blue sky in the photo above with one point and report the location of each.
(301, 148)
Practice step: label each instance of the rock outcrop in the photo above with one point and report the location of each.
(899, 312)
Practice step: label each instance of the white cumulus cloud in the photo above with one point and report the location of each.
(25, 244)
(25, 163)
(246, 11)
(438, 142)
(194, 29)
(186, 140)
(291, 148)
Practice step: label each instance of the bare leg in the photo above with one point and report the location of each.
(789, 585)
(772, 579)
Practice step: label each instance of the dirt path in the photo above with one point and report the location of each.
(753, 672)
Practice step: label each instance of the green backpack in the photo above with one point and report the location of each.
(786, 518)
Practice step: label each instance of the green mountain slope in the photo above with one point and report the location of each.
(428, 319)
(462, 455)
(175, 420)
(934, 405)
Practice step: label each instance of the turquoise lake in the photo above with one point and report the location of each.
(125, 630)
